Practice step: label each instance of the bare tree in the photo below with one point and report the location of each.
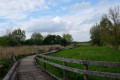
(110, 25)
(114, 16)
(8, 31)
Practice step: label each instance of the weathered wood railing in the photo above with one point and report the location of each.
(86, 72)
(12, 74)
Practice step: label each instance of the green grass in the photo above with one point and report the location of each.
(93, 53)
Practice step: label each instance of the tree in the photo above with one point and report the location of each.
(18, 36)
(4, 41)
(52, 39)
(110, 25)
(68, 38)
(95, 34)
(37, 38)
(12, 38)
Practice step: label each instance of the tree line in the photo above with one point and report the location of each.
(17, 37)
(107, 31)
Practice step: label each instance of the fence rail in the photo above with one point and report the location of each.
(12, 74)
(86, 72)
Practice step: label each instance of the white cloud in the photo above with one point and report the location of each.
(46, 24)
(57, 19)
(79, 6)
(77, 24)
(52, 3)
(16, 9)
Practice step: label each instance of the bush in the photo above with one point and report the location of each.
(5, 66)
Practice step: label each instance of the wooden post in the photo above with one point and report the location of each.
(12, 59)
(44, 64)
(65, 71)
(36, 59)
(85, 75)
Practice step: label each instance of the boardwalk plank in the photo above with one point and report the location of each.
(27, 70)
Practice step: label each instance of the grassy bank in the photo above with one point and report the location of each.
(93, 53)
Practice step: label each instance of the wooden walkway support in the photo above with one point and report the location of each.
(86, 72)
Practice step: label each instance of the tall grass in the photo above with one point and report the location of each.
(6, 52)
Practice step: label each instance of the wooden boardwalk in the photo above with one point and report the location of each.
(27, 70)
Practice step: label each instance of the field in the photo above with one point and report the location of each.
(93, 53)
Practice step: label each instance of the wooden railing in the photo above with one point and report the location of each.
(86, 72)
(12, 74)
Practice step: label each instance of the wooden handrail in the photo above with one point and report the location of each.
(101, 63)
(86, 72)
(11, 75)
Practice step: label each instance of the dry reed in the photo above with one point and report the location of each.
(6, 52)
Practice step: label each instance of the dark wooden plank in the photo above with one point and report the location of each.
(65, 71)
(104, 74)
(44, 64)
(102, 63)
(53, 51)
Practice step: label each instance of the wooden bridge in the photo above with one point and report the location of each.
(26, 69)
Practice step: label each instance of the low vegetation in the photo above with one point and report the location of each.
(94, 53)
(5, 65)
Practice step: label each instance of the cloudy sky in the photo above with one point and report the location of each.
(75, 17)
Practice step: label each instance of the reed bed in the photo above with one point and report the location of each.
(6, 52)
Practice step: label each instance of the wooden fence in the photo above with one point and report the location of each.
(86, 72)
(12, 74)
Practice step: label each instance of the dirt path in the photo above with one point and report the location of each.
(27, 70)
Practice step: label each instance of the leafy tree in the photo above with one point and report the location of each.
(58, 39)
(4, 41)
(18, 35)
(95, 34)
(64, 42)
(52, 39)
(36, 39)
(68, 38)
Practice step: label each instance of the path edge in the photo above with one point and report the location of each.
(39, 67)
